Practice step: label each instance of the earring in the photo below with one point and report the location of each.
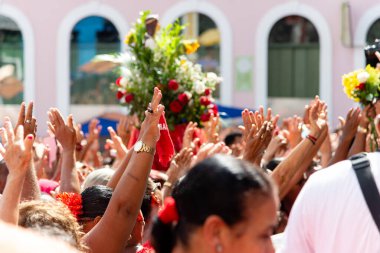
(219, 248)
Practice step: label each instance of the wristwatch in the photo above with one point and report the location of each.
(142, 147)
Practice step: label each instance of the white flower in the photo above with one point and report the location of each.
(150, 43)
(198, 68)
(188, 94)
(126, 72)
(199, 87)
(213, 78)
(124, 58)
(363, 76)
(124, 82)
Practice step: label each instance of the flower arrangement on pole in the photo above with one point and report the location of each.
(363, 86)
(157, 57)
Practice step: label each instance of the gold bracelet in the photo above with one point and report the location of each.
(362, 130)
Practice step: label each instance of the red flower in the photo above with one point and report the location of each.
(205, 101)
(214, 109)
(205, 117)
(129, 97)
(175, 106)
(183, 98)
(118, 81)
(120, 94)
(208, 92)
(361, 86)
(173, 85)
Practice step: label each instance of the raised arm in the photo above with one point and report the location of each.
(110, 234)
(17, 153)
(123, 155)
(292, 168)
(30, 189)
(66, 136)
(359, 143)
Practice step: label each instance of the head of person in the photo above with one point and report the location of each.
(222, 205)
(233, 138)
(51, 218)
(95, 200)
(98, 177)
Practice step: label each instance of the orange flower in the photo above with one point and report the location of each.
(191, 46)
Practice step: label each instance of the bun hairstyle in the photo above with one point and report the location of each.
(220, 186)
(95, 200)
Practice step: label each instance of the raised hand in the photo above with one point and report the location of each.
(188, 135)
(317, 117)
(65, 133)
(94, 130)
(26, 119)
(294, 130)
(17, 153)
(16, 150)
(212, 129)
(210, 149)
(124, 129)
(352, 121)
(150, 133)
(257, 142)
(117, 144)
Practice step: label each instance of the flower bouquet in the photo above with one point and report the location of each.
(158, 57)
(363, 86)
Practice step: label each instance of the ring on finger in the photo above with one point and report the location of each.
(150, 110)
(27, 121)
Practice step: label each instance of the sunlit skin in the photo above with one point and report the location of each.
(253, 235)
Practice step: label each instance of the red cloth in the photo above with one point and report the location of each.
(146, 248)
(134, 137)
(164, 148)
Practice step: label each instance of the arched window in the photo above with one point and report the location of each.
(11, 62)
(293, 59)
(89, 82)
(373, 32)
(203, 28)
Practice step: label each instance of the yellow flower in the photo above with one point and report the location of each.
(191, 46)
(350, 82)
(129, 37)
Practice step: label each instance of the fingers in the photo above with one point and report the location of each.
(28, 142)
(29, 112)
(2, 150)
(19, 133)
(4, 137)
(9, 130)
(21, 115)
(112, 132)
(51, 127)
(70, 121)
(377, 55)
(157, 95)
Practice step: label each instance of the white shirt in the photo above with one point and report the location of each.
(330, 214)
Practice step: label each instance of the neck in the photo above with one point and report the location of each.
(196, 244)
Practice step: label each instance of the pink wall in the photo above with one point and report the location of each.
(243, 15)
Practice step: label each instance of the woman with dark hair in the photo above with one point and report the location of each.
(222, 205)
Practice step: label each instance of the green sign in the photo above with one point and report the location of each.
(244, 67)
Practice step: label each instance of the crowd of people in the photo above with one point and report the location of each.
(226, 190)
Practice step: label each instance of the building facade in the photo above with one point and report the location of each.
(275, 53)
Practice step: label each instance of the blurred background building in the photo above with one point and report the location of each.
(277, 53)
